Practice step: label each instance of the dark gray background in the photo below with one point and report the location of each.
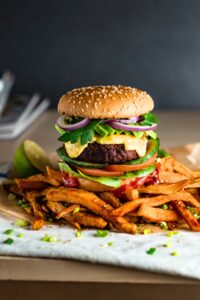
(54, 46)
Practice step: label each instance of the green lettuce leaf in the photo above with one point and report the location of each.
(109, 181)
(113, 182)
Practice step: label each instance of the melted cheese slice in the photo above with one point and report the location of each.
(130, 143)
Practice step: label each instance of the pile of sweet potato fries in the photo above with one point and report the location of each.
(174, 202)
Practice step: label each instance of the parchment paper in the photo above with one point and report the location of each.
(117, 248)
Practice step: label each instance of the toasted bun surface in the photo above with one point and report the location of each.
(101, 102)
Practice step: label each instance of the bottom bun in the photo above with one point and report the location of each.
(93, 186)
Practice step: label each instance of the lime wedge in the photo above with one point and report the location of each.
(36, 155)
(22, 164)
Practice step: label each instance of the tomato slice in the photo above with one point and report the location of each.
(129, 168)
(100, 172)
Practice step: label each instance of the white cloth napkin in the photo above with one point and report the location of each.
(115, 249)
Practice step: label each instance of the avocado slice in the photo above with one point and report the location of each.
(63, 155)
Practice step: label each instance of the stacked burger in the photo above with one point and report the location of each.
(109, 138)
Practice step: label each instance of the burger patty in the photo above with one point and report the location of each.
(97, 153)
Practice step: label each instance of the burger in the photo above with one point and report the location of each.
(109, 139)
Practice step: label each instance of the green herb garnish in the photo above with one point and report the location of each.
(151, 251)
(9, 241)
(21, 223)
(165, 206)
(175, 253)
(110, 244)
(164, 225)
(20, 235)
(76, 210)
(147, 231)
(168, 244)
(171, 233)
(49, 239)
(102, 233)
(9, 231)
(78, 233)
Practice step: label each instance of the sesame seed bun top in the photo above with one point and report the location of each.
(101, 102)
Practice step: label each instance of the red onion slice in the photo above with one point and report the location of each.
(125, 121)
(138, 128)
(62, 124)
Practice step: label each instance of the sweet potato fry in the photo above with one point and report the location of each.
(170, 177)
(13, 188)
(132, 194)
(149, 228)
(196, 173)
(31, 198)
(110, 198)
(84, 198)
(44, 178)
(89, 220)
(67, 210)
(82, 218)
(92, 202)
(155, 201)
(180, 207)
(157, 214)
(37, 223)
(167, 163)
(27, 185)
(193, 183)
(54, 174)
(182, 169)
(123, 225)
(57, 207)
(164, 188)
(36, 182)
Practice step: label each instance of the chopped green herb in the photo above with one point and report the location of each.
(164, 225)
(165, 206)
(9, 231)
(196, 216)
(110, 244)
(9, 241)
(168, 244)
(78, 233)
(21, 203)
(175, 253)
(151, 251)
(171, 233)
(191, 209)
(21, 222)
(76, 210)
(49, 239)
(147, 231)
(20, 235)
(102, 233)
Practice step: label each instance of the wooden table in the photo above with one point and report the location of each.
(22, 278)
